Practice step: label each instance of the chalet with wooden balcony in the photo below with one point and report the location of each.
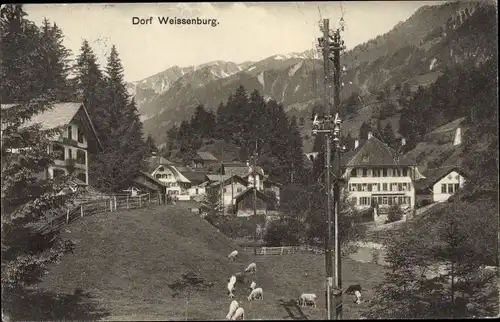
(78, 139)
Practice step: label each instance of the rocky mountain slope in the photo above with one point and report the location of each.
(414, 51)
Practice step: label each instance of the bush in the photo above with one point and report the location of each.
(278, 234)
(395, 213)
(367, 215)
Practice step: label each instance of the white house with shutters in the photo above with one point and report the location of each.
(375, 174)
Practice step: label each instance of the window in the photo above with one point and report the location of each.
(457, 177)
(81, 176)
(366, 158)
(61, 152)
(450, 187)
(196, 191)
(443, 188)
(364, 201)
(161, 169)
(370, 187)
(364, 172)
(225, 190)
(376, 172)
(384, 200)
(58, 174)
(389, 173)
(80, 157)
(70, 132)
(158, 176)
(384, 186)
(360, 188)
(80, 135)
(384, 172)
(70, 154)
(378, 186)
(456, 187)
(400, 187)
(239, 189)
(405, 172)
(449, 177)
(354, 173)
(364, 187)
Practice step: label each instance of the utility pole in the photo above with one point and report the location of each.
(329, 125)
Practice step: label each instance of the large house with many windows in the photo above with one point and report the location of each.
(376, 174)
(167, 173)
(75, 142)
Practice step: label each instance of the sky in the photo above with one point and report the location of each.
(248, 31)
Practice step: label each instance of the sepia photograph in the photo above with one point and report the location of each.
(318, 160)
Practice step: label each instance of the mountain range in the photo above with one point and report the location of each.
(415, 51)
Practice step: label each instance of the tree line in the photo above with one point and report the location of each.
(251, 123)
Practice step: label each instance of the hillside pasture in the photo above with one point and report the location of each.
(129, 260)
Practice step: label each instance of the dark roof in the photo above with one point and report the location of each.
(205, 156)
(227, 179)
(245, 192)
(151, 178)
(434, 175)
(194, 176)
(60, 114)
(239, 169)
(374, 152)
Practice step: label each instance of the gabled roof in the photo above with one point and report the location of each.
(205, 156)
(194, 176)
(434, 175)
(151, 178)
(374, 152)
(451, 126)
(227, 180)
(245, 192)
(61, 114)
(155, 161)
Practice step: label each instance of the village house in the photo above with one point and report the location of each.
(167, 173)
(245, 171)
(375, 174)
(229, 186)
(78, 139)
(439, 184)
(196, 179)
(244, 203)
(204, 161)
(146, 183)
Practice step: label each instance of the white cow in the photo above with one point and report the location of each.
(232, 308)
(307, 298)
(239, 314)
(232, 279)
(233, 255)
(256, 293)
(252, 268)
(230, 290)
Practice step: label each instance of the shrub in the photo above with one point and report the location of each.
(367, 215)
(395, 213)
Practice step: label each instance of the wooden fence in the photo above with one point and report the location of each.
(86, 207)
(283, 250)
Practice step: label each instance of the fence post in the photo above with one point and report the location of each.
(110, 204)
(115, 202)
(67, 216)
(149, 197)
(282, 248)
(140, 201)
(81, 210)
(127, 201)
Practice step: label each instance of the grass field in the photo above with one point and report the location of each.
(126, 261)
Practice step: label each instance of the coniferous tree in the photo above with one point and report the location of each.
(54, 58)
(19, 56)
(125, 152)
(388, 134)
(296, 152)
(151, 145)
(90, 85)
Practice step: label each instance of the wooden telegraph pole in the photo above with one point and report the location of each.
(331, 45)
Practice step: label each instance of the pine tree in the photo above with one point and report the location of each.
(27, 200)
(151, 145)
(19, 56)
(296, 153)
(55, 61)
(90, 85)
(388, 134)
(122, 132)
